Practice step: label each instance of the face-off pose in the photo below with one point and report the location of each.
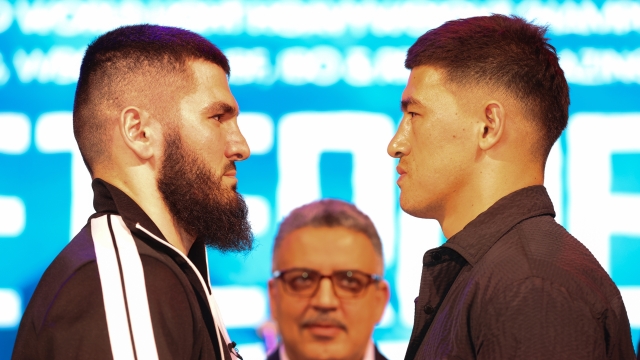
(485, 102)
(327, 293)
(155, 122)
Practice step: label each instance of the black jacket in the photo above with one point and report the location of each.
(515, 284)
(120, 290)
(276, 355)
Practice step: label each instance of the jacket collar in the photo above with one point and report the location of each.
(480, 234)
(111, 200)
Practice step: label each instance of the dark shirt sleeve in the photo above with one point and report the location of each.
(75, 325)
(537, 319)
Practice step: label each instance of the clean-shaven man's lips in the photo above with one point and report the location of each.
(401, 172)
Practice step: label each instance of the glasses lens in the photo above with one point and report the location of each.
(300, 282)
(350, 283)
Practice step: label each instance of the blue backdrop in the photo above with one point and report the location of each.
(319, 85)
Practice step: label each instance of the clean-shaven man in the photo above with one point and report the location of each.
(485, 102)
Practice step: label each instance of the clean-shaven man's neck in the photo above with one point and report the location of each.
(474, 200)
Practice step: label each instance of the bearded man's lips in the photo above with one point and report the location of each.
(230, 173)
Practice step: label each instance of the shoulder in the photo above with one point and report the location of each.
(536, 257)
(102, 259)
(67, 316)
(104, 274)
(541, 248)
(554, 254)
(73, 269)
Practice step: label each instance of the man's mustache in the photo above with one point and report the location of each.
(323, 320)
(230, 166)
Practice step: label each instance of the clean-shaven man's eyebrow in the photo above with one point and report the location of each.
(409, 101)
(220, 107)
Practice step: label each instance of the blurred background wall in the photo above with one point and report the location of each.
(319, 86)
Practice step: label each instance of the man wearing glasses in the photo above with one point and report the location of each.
(327, 291)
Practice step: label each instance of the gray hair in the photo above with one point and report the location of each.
(329, 213)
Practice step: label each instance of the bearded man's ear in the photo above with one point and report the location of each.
(138, 132)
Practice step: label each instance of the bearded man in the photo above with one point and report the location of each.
(155, 122)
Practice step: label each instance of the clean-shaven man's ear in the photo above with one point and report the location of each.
(492, 125)
(139, 133)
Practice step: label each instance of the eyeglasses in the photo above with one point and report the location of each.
(347, 284)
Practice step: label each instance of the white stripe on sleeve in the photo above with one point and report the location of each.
(135, 290)
(112, 294)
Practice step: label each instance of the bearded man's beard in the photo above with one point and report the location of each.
(197, 200)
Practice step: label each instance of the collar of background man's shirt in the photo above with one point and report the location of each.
(370, 354)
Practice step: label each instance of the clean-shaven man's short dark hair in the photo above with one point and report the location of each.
(329, 213)
(131, 60)
(505, 53)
